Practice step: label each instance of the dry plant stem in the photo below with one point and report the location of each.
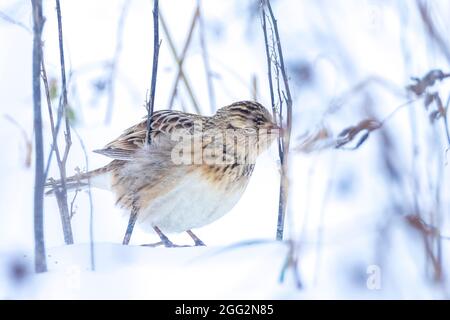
(287, 96)
(231, 72)
(61, 193)
(115, 61)
(64, 83)
(150, 107)
(447, 128)
(8, 19)
(255, 87)
(91, 205)
(432, 30)
(40, 262)
(180, 60)
(28, 142)
(72, 203)
(291, 263)
(59, 197)
(269, 66)
(156, 45)
(359, 88)
(321, 229)
(211, 94)
(280, 220)
(285, 136)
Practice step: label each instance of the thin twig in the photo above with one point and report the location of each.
(156, 45)
(150, 106)
(8, 19)
(64, 83)
(180, 60)
(72, 203)
(28, 142)
(321, 229)
(254, 87)
(360, 87)
(40, 262)
(269, 64)
(232, 73)
(288, 97)
(446, 124)
(211, 94)
(59, 196)
(275, 111)
(284, 140)
(61, 192)
(432, 30)
(91, 204)
(115, 61)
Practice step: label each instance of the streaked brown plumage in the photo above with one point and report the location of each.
(173, 193)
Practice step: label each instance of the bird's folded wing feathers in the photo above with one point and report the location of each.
(164, 123)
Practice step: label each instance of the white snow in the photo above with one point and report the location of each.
(351, 242)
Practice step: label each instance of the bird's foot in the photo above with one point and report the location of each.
(153, 245)
(199, 243)
(167, 244)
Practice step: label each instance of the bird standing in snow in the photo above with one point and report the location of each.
(193, 172)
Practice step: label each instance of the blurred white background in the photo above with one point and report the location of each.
(348, 209)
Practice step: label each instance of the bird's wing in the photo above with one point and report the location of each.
(163, 124)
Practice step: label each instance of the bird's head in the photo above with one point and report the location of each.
(250, 120)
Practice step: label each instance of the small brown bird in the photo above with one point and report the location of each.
(193, 171)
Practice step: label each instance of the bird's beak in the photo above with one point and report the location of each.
(274, 126)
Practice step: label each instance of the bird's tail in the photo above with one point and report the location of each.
(78, 181)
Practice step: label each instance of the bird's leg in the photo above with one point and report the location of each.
(153, 245)
(165, 241)
(131, 223)
(197, 241)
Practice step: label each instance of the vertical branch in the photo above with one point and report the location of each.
(286, 132)
(285, 95)
(446, 124)
(254, 87)
(156, 45)
(150, 106)
(91, 205)
(211, 94)
(115, 61)
(180, 60)
(40, 262)
(269, 62)
(432, 30)
(61, 193)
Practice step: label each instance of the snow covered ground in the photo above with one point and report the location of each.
(350, 242)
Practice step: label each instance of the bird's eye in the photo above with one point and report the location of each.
(249, 130)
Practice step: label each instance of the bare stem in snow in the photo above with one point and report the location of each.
(40, 262)
(61, 190)
(276, 61)
(150, 107)
(91, 205)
